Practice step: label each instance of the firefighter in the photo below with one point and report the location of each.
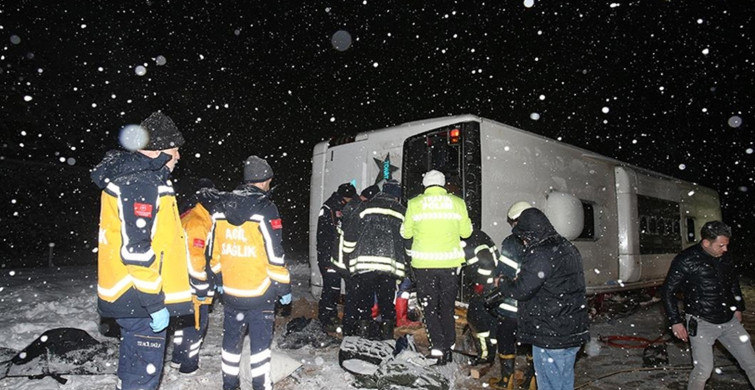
(482, 266)
(436, 221)
(512, 251)
(376, 263)
(250, 271)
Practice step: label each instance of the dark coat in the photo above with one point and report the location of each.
(373, 228)
(550, 286)
(327, 224)
(710, 286)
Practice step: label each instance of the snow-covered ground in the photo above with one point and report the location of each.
(33, 301)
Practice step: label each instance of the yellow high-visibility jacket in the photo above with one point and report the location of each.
(197, 223)
(142, 256)
(437, 221)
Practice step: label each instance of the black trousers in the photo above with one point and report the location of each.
(331, 292)
(362, 291)
(436, 291)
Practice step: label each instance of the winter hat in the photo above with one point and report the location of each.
(516, 209)
(434, 178)
(163, 133)
(347, 190)
(370, 191)
(392, 188)
(256, 170)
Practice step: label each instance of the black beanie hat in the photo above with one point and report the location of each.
(163, 133)
(370, 191)
(392, 188)
(347, 190)
(256, 169)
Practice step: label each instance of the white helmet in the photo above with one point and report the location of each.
(516, 209)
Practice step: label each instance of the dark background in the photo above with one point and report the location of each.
(665, 85)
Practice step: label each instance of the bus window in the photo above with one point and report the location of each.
(690, 230)
(588, 230)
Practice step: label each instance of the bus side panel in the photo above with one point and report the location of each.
(316, 199)
(359, 163)
(520, 166)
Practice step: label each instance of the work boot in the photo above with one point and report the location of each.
(448, 356)
(386, 329)
(530, 382)
(485, 348)
(438, 356)
(506, 381)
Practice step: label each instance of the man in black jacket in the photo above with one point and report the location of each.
(327, 236)
(552, 307)
(713, 304)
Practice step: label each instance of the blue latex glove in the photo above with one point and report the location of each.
(160, 320)
(201, 299)
(286, 299)
(219, 288)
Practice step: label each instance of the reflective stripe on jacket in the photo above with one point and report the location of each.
(437, 221)
(142, 254)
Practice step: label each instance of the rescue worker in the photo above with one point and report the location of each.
(338, 258)
(327, 237)
(142, 272)
(481, 268)
(190, 330)
(250, 271)
(512, 252)
(437, 221)
(376, 262)
(550, 291)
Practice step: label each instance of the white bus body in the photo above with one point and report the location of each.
(627, 222)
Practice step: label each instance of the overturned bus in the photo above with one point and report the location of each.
(627, 222)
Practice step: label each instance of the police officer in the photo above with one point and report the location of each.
(437, 221)
(250, 271)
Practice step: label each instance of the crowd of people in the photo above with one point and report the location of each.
(158, 262)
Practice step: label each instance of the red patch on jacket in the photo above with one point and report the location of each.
(198, 243)
(143, 210)
(276, 223)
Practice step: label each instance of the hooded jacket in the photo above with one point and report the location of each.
(142, 261)
(710, 286)
(245, 242)
(550, 286)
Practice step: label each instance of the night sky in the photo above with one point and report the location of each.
(665, 85)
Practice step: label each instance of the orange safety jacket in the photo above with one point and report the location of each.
(247, 255)
(142, 256)
(197, 223)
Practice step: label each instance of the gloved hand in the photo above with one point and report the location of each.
(160, 320)
(219, 288)
(286, 299)
(201, 299)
